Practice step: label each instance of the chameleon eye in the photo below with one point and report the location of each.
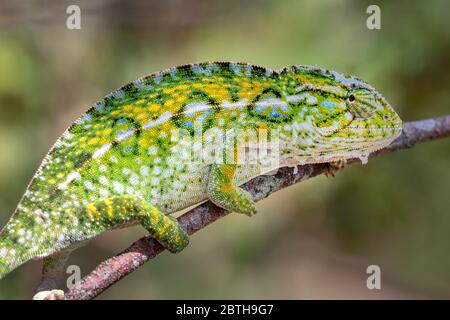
(361, 103)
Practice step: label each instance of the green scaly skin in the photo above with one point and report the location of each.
(119, 163)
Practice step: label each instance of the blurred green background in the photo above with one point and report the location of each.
(313, 240)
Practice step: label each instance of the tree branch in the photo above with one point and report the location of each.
(115, 268)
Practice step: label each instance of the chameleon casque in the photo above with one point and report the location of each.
(118, 164)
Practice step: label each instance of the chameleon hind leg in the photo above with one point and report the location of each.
(224, 193)
(108, 214)
(52, 274)
(120, 210)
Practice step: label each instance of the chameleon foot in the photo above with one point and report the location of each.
(225, 194)
(165, 229)
(334, 167)
(49, 295)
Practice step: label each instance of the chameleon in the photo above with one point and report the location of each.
(125, 161)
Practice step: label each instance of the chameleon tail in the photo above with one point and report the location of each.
(11, 256)
(3, 268)
(17, 245)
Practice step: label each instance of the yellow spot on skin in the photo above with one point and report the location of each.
(169, 103)
(225, 187)
(229, 172)
(153, 107)
(106, 131)
(92, 210)
(109, 208)
(93, 141)
(169, 90)
(182, 87)
(163, 229)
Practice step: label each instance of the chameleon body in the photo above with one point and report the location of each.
(121, 164)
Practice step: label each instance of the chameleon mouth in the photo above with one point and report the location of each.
(374, 133)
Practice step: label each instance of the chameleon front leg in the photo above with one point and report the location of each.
(224, 193)
(52, 274)
(335, 166)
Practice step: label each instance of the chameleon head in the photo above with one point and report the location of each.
(347, 117)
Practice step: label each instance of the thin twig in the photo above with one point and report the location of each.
(115, 268)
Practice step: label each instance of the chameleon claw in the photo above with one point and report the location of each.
(334, 167)
(49, 295)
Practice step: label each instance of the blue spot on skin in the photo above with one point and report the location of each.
(332, 110)
(197, 69)
(248, 71)
(260, 109)
(200, 70)
(87, 117)
(327, 104)
(100, 106)
(213, 67)
(121, 133)
(314, 109)
(274, 113)
(173, 74)
(148, 87)
(188, 124)
(191, 109)
(128, 148)
(236, 68)
(139, 85)
(119, 94)
(201, 118)
(158, 78)
(318, 115)
(121, 121)
(284, 108)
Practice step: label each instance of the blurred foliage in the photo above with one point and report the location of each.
(393, 212)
